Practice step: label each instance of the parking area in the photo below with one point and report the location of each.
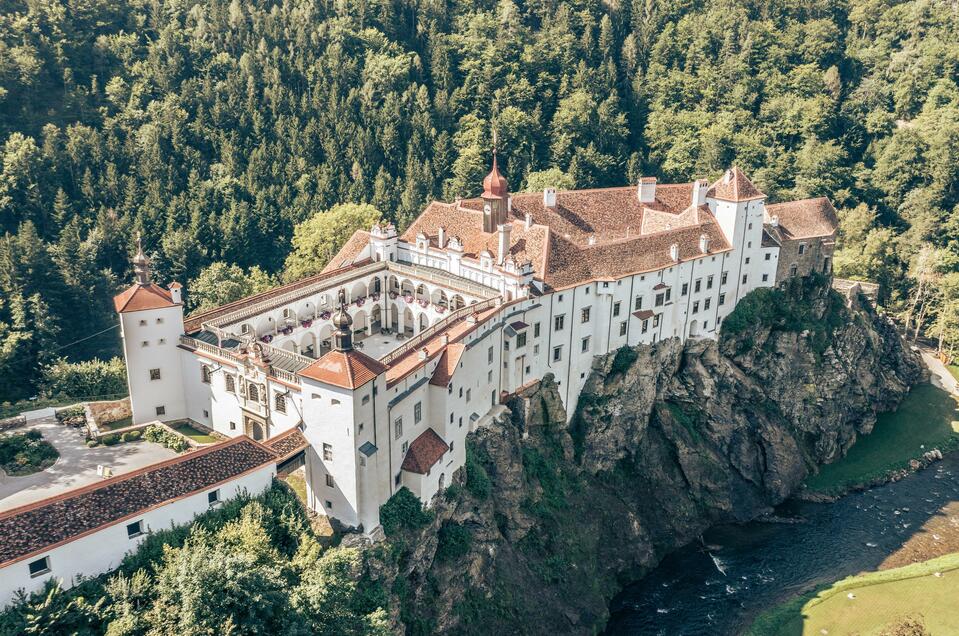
(77, 465)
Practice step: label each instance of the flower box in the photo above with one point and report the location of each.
(393, 295)
(267, 338)
(424, 303)
(307, 323)
(325, 315)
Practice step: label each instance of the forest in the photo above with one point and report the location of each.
(218, 129)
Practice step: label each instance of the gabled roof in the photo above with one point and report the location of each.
(806, 218)
(349, 252)
(42, 525)
(426, 450)
(345, 369)
(287, 443)
(734, 186)
(141, 297)
(447, 364)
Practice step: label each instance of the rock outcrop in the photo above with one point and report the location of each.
(550, 518)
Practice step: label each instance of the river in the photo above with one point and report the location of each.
(719, 586)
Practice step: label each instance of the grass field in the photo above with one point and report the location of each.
(928, 418)
(954, 370)
(112, 426)
(869, 603)
(196, 435)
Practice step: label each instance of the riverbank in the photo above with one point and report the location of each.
(902, 441)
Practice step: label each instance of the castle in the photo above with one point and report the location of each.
(405, 343)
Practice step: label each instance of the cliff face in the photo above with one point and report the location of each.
(550, 518)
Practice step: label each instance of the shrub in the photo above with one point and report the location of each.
(477, 481)
(403, 511)
(453, 492)
(131, 436)
(92, 443)
(625, 357)
(110, 440)
(26, 453)
(33, 435)
(160, 435)
(90, 379)
(454, 542)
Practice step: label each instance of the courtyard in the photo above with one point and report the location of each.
(76, 466)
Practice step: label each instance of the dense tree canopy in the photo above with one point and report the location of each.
(215, 126)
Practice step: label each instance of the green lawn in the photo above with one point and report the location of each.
(112, 426)
(954, 370)
(198, 436)
(927, 417)
(879, 600)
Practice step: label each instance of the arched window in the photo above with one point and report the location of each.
(252, 393)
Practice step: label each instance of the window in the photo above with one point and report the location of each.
(707, 303)
(398, 428)
(698, 286)
(536, 330)
(206, 413)
(793, 269)
(656, 320)
(489, 377)
(535, 350)
(520, 340)
(705, 325)
(327, 453)
(802, 249)
(252, 393)
(417, 412)
(40, 566)
(279, 403)
(366, 399)
(684, 290)
(745, 278)
(204, 374)
(145, 343)
(616, 308)
(506, 345)
(161, 410)
(232, 426)
(750, 226)
(709, 282)
(134, 529)
(747, 260)
(244, 328)
(451, 446)
(154, 374)
(451, 418)
(449, 388)
(489, 355)
(722, 280)
(765, 277)
(587, 291)
(213, 498)
(584, 314)
(638, 304)
(645, 325)
(557, 353)
(329, 504)
(585, 344)
(230, 383)
(143, 323)
(161, 341)
(768, 255)
(396, 480)
(696, 307)
(669, 293)
(159, 321)
(559, 322)
(468, 391)
(329, 481)
(622, 328)
(659, 299)
(404, 448)
(722, 299)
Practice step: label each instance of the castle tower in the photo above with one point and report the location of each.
(495, 198)
(151, 321)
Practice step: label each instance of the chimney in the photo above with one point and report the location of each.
(674, 252)
(592, 239)
(509, 204)
(700, 186)
(423, 353)
(176, 293)
(441, 237)
(703, 243)
(549, 198)
(774, 220)
(647, 189)
(529, 220)
(444, 339)
(503, 250)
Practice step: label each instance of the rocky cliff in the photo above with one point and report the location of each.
(549, 519)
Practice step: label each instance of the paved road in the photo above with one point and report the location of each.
(940, 375)
(77, 465)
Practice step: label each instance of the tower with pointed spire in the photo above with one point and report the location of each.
(141, 265)
(495, 196)
(342, 325)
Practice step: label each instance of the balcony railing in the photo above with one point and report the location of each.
(445, 279)
(292, 359)
(416, 341)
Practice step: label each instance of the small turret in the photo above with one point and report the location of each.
(141, 265)
(342, 325)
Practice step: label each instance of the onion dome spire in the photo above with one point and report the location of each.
(141, 264)
(342, 325)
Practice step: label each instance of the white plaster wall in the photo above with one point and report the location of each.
(161, 332)
(103, 550)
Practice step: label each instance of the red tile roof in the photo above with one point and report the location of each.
(446, 366)
(426, 450)
(643, 314)
(349, 252)
(589, 235)
(494, 185)
(40, 526)
(287, 443)
(345, 369)
(734, 186)
(141, 297)
(807, 218)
